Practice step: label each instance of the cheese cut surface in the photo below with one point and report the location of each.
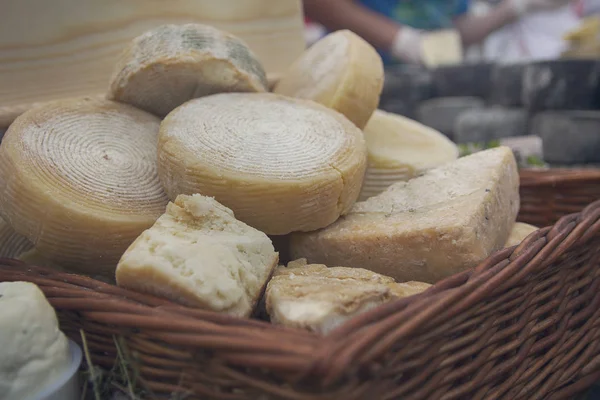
(79, 179)
(11, 243)
(281, 164)
(171, 64)
(443, 47)
(319, 299)
(33, 351)
(340, 71)
(428, 228)
(519, 232)
(400, 149)
(199, 255)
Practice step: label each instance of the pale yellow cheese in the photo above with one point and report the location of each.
(400, 149)
(78, 178)
(11, 243)
(171, 64)
(428, 228)
(340, 71)
(319, 299)
(281, 164)
(443, 47)
(199, 255)
(34, 353)
(519, 232)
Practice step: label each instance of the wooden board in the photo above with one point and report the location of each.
(53, 49)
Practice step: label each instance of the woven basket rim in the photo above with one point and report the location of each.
(360, 342)
(559, 176)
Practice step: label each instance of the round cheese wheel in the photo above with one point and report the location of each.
(171, 64)
(78, 178)
(11, 243)
(340, 71)
(281, 164)
(400, 149)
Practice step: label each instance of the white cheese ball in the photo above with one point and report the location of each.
(33, 351)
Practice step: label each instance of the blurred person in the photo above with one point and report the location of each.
(396, 27)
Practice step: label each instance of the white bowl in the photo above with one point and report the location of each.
(66, 386)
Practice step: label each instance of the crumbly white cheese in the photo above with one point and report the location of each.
(198, 254)
(33, 351)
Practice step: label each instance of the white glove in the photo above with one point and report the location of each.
(407, 45)
(522, 7)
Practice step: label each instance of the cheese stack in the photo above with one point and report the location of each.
(319, 299)
(428, 228)
(340, 71)
(281, 164)
(519, 232)
(400, 149)
(171, 64)
(79, 179)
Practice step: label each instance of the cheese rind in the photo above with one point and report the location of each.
(400, 149)
(171, 64)
(518, 233)
(33, 351)
(340, 71)
(281, 164)
(78, 178)
(199, 255)
(319, 299)
(428, 228)
(11, 243)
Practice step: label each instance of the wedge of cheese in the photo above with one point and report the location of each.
(281, 164)
(11, 243)
(199, 255)
(319, 299)
(443, 47)
(34, 353)
(519, 232)
(340, 71)
(171, 64)
(428, 228)
(400, 149)
(78, 178)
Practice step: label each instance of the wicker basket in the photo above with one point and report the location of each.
(548, 194)
(525, 324)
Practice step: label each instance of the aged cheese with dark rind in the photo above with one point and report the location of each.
(171, 64)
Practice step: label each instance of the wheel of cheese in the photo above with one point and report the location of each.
(281, 164)
(11, 243)
(78, 178)
(400, 149)
(171, 64)
(340, 71)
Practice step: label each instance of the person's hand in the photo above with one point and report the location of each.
(522, 7)
(407, 45)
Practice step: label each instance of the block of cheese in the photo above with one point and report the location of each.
(519, 232)
(319, 299)
(428, 228)
(340, 71)
(400, 149)
(33, 351)
(281, 164)
(11, 243)
(171, 64)
(199, 255)
(443, 47)
(79, 179)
